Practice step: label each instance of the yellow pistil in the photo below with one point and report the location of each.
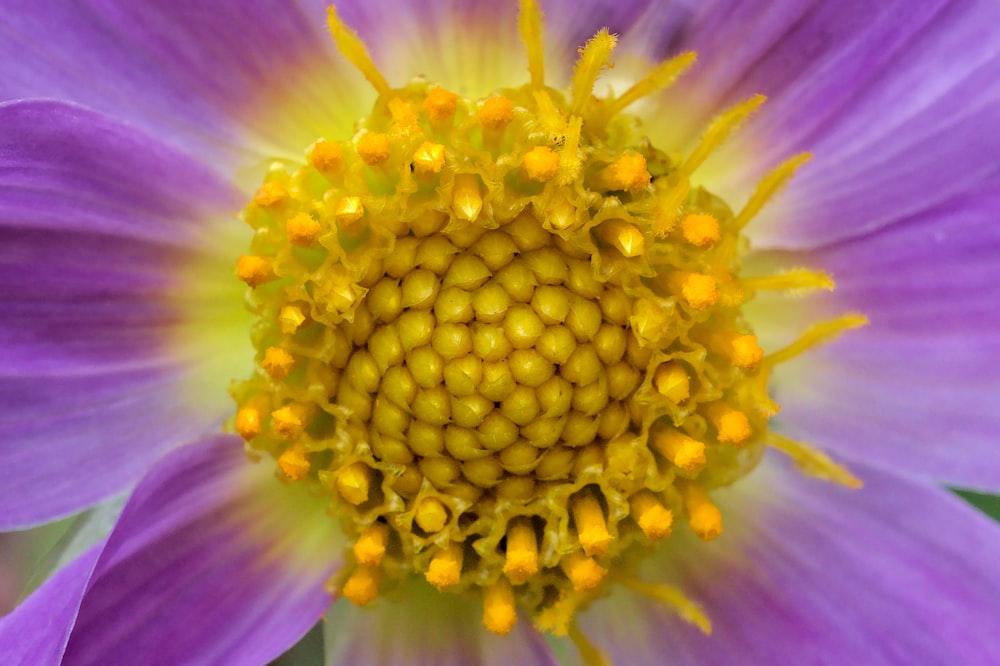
(662, 77)
(670, 597)
(541, 163)
(701, 230)
(370, 547)
(373, 148)
(445, 568)
(815, 336)
(522, 551)
(594, 57)
(302, 230)
(429, 158)
(362, 586)
(277, 362)
(672, 382)
(813, 462)
(530, 25)
(354, 483)
(583, 572)
(255, 271)
(354, 50)
(650, 515)
(719, 130)
(496, 113)
(440, 105)
(270, 194)
(704, 517)
(499, 612)
(591, 528)
(795, 280)
(293, 463)
(767, 188)
(683, 451)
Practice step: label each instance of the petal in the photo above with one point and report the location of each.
(813, 573)
(916, 391)
(102, 232)
(211, 561)
(419, 626)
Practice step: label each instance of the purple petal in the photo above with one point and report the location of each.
(211, 561)
(813, 573)
(101, 229)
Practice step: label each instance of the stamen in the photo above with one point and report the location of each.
(660, 79)
(541, 163)
(746, 352)
(628, 173)
(431, 515)
(255, 271)
(800, 279)
(349, 44)
(672, 382)
(496, 113)
(589, 653)
(769, 185)
(683, 451)
(622, 236)
(499, 612)
(649, 513)
(522, 551)
(583, 572)
(673, 598)
(370, 546)
(302, 230)
(248, 423)
(813, 462)
(530, 24)
(732, 425)
(593, 58)
(702, 231)
(817, 335)
(590, 526)
(293, 463)
(354, 483)
(440, 105)
(466, 199)
(445, 568)
(374, 148)
(429, 158)
(325, 156)
(277, 362)
(704, 517)
(719, 130)
(700, 291)
(349, 212)
(362, 587)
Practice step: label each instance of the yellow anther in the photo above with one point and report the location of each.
(302, 230)
(362, 587)
(541, 163)
(672, 382)
(593, 58)
(746, 353)
(795, 280)
(293, 463)
(351, 46)
(429, 158)
(325, 157)
(287, 422)
(815, 336)
(404, 116)
(650, 515)
(700, 291)
(685, 452)
(661, 78)
(277, 362)
(348, 213)
(431, 515)
(522, 551)
(584, 572)
(499, 612)
(704, 517)
(671, 597)
(591, 529)
(354, 482)
(466, 198)
(440, 105)
(290, 318)
(270, 193)
(628, 173)
(248, 423)
(530, 24)
(370, 547)
(719, 130)
(769, 185)
(496, 113)
(700, 230)
(255, 271)
(445, 568)
(813, 462)
(374, 148)
(731, 424)
(623, 236)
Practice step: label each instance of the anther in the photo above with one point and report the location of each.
(700, 291)
(370, 546)
(440, 105)
(623, 236)
(445, 568)
(325, 157)
(703, 516)
(277, 362)
(293, 463)
(286, 422)
(466, 199)
(270, 194)
(302, 230)
(354, 482)
(253, 270)
(701, 230)
(431, 515)
(362, 587)
(653, 518)
(499, 612)
(745, 352)
(348, 213)
(248, 423)
(522, 551)
(429, 158)
(496, 113)
(628, 173)
(584, 572)
(591, 529)
(374, 148)
(672, 382)
(541, 164)
(685, 452)
(732, 425)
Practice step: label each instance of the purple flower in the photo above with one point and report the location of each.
(502, 327)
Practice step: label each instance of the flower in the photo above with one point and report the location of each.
(123, 326)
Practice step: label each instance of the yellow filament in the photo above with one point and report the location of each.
(672, 382)
(671, 197)
(704, 517)
(624, 237)
(429, 158)
(770, 185)
(278, 362)
(530, 24)
(354, 483)
(351, 46)
(589, 653)
(815, 336)
(719, 130)
(653, 518)
(590, 526)
(541, 163)
(593, 58)
(813, 462)
(661, 78)
(746, 352)
(683, 451)
(499, 612)
(522, 551)
(431, 515)
(255, 271)
(670, 596)
(445, 568)
(466, 200)
(788, 281)
(374, 148)
(440, 105)
(370, 546)
(302, 230)
(248, 423)
(700, 230)
(293, 463)
(362, 587)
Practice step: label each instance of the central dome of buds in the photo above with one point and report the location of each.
(504, 336)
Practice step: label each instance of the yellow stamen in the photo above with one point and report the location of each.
(732, 425)
(700, 291)
(293, 463)
(466, 199)
(593, 58)
(770, 185)
(277, 362)
(683, 451)
(404, 116)
(672, 382)
(302, 229)
(624, 237)
(673, 598)
(550, 119)
(800, 279)
(653, 518)
(589, 653)
(719, 130)
(431, 515)
(429, 158)
(440, 105)
(499, 612)
(496, 113)
(815, 336)
(248, 423)
(522, 551)
(700, 230)
(351, 46)
(813, 462)
(362, 587)
(628, 173)
(704, 517)
(445, 568)
(286, 422)
(541, 163)
(530, 24)
(325, 157)
(590, 526)
(746, 352)
(348, 213)
(354, 483)
(374, 148)
(660, 79)
(370, 546)
(583, 572)
(255, 271)
(290, 319)
(270, 194)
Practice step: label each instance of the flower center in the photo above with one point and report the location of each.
(504, 336)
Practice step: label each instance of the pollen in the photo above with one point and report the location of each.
(503, 337)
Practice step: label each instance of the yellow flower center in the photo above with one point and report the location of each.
(504, 335)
